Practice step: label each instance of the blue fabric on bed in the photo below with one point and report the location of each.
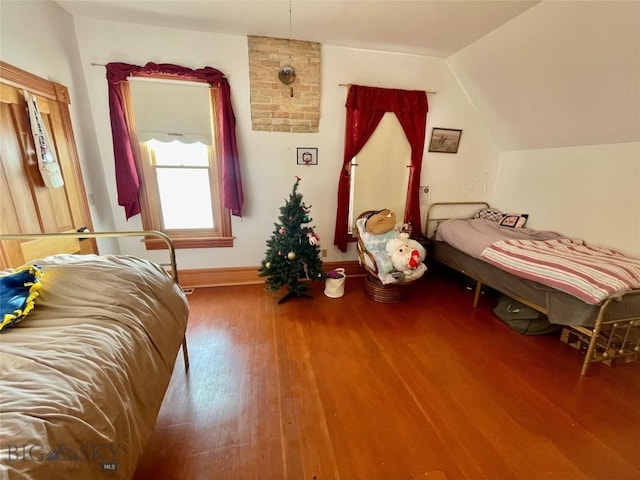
(18, 291)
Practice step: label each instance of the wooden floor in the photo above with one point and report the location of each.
(352, 389)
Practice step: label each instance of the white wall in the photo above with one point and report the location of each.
(589, 192)
(39, 37)
(563, 73)
(268, 159)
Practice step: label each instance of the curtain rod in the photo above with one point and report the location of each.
(348, 85)
(429, 92)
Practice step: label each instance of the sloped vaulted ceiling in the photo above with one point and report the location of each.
(542, 74)
(560, 74)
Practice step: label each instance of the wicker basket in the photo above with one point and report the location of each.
(379, 292)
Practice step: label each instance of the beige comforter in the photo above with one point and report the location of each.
(83, 376)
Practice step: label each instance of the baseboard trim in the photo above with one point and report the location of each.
(221, 277)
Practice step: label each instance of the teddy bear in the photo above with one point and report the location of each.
(405, 253)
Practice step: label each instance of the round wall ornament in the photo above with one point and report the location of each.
(287, 74)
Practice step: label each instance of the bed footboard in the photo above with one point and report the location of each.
(612, 338)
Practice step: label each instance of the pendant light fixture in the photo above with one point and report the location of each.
(286, 73)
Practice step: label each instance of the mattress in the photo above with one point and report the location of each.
(83, 376)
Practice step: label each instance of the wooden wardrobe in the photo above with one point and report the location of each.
(27, 206)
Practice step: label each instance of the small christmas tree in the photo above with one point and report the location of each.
(293, 252)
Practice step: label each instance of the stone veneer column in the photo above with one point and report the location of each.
(273, 109)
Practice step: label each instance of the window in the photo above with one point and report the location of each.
(379, 174)
(180, 183)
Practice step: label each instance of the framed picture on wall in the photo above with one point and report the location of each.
(307, 155)
(445, 140)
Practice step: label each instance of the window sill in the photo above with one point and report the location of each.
(219, 242)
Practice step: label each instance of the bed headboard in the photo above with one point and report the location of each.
(447, 210)
(44, 247)
(41, 245)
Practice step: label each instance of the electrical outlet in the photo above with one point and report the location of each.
(425, 194)
(324, 252)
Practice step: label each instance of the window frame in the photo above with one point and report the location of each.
(149, 196)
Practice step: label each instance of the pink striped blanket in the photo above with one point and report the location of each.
(590, 273)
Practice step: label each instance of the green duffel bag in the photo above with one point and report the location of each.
(523, 319)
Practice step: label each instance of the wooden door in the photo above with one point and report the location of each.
(27, 205)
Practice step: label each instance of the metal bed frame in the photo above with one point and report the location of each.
(610, 338)
(171, 266)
